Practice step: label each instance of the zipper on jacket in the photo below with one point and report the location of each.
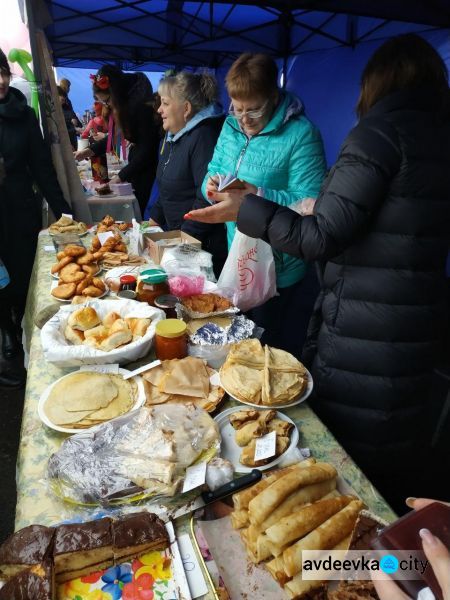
(241, 156)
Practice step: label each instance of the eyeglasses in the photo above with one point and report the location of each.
(252, 115)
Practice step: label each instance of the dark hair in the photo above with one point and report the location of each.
(250, 75)
(127, 91)
(4, 64)
(404, 62)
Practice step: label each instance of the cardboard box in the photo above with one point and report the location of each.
(171, 239)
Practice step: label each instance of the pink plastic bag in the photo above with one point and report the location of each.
(249, 271)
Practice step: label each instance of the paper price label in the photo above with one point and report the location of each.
(114, 369)
(49, 249)
(195, 476)
(105, 236)
(194, 575)
(265, 446)
(68, 216)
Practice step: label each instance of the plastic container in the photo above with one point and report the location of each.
(128, 282)
(151, 284)
(171, 339)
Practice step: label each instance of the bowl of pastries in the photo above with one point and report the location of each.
(241, 428)
(100, 332)
(66, 224)
(264, 376)
(76, 274)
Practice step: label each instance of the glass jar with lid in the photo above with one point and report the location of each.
(151, 284)
(171, 339)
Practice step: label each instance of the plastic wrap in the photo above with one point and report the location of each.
(186, 282)
(186, 256)
(62, 353)
(219, 472)
(144, 453)
(187, 314)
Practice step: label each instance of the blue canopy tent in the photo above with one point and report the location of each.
(321, 45)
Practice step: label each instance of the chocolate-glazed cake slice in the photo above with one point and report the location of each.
(82, 548)
(27, 547)
(137, 534)
(34, 583)
(367, 527)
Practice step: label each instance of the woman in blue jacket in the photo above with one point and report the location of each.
(269, 143)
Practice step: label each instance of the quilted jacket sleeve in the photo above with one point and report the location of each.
(352, 193)
(307, 168)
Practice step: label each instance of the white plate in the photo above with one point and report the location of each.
(55, 284)
(43, 399)
(56, 276)
(63, 232)
(231, 451)
(303, 396)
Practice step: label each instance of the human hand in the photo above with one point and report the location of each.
(115, 179)
(212, 183)
(82, 154)
(436, 553)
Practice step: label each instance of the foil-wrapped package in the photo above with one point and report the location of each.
(241, 328)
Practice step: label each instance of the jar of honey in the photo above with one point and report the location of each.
(151, 284)
(171, 339)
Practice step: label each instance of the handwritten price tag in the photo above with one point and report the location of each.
(196, 581)
(114, 369)
(105, 236)
(68, 216)
(49, 249)
(265, 446)
(195, 476)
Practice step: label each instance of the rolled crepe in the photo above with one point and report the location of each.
(297, 586)
(245, 434)
(324, 537)
(270, 498)
(306, 495)
(276, 568)
(299, 523)
(242, 499)
(239, 518)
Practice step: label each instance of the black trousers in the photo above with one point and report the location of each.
(285, 317)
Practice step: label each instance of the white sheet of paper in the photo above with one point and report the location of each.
(194, 575)
(195, 476)
(105, 236)
(67, 215)
(114, 368)
(179, 574)
(49, 249)
(265, 446)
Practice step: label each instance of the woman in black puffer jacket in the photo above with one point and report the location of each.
(381, 226)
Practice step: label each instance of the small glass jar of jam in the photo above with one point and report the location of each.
(167, 303)
(127, 282)
(151, 284)
(171, 339)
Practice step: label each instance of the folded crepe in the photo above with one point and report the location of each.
(248, 353)
(242, 382)
(186, 377)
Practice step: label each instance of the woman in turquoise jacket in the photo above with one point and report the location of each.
(269, 143)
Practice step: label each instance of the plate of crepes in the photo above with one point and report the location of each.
(291, 510)
(188, 380)
(264, 376)
(241, 427)
(76, 272)
(86, 398)
(114, 252)
(67, 225)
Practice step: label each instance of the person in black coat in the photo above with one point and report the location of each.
(381, 228)
(130, 97)
(192, 119)
(25, 160)
(68, 117)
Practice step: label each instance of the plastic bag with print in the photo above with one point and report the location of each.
(249, 271)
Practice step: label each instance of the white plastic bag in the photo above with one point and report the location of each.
(250, 271)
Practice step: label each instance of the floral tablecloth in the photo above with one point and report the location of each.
(35, 501)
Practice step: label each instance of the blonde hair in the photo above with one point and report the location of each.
(252, 75)
(200, 89)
